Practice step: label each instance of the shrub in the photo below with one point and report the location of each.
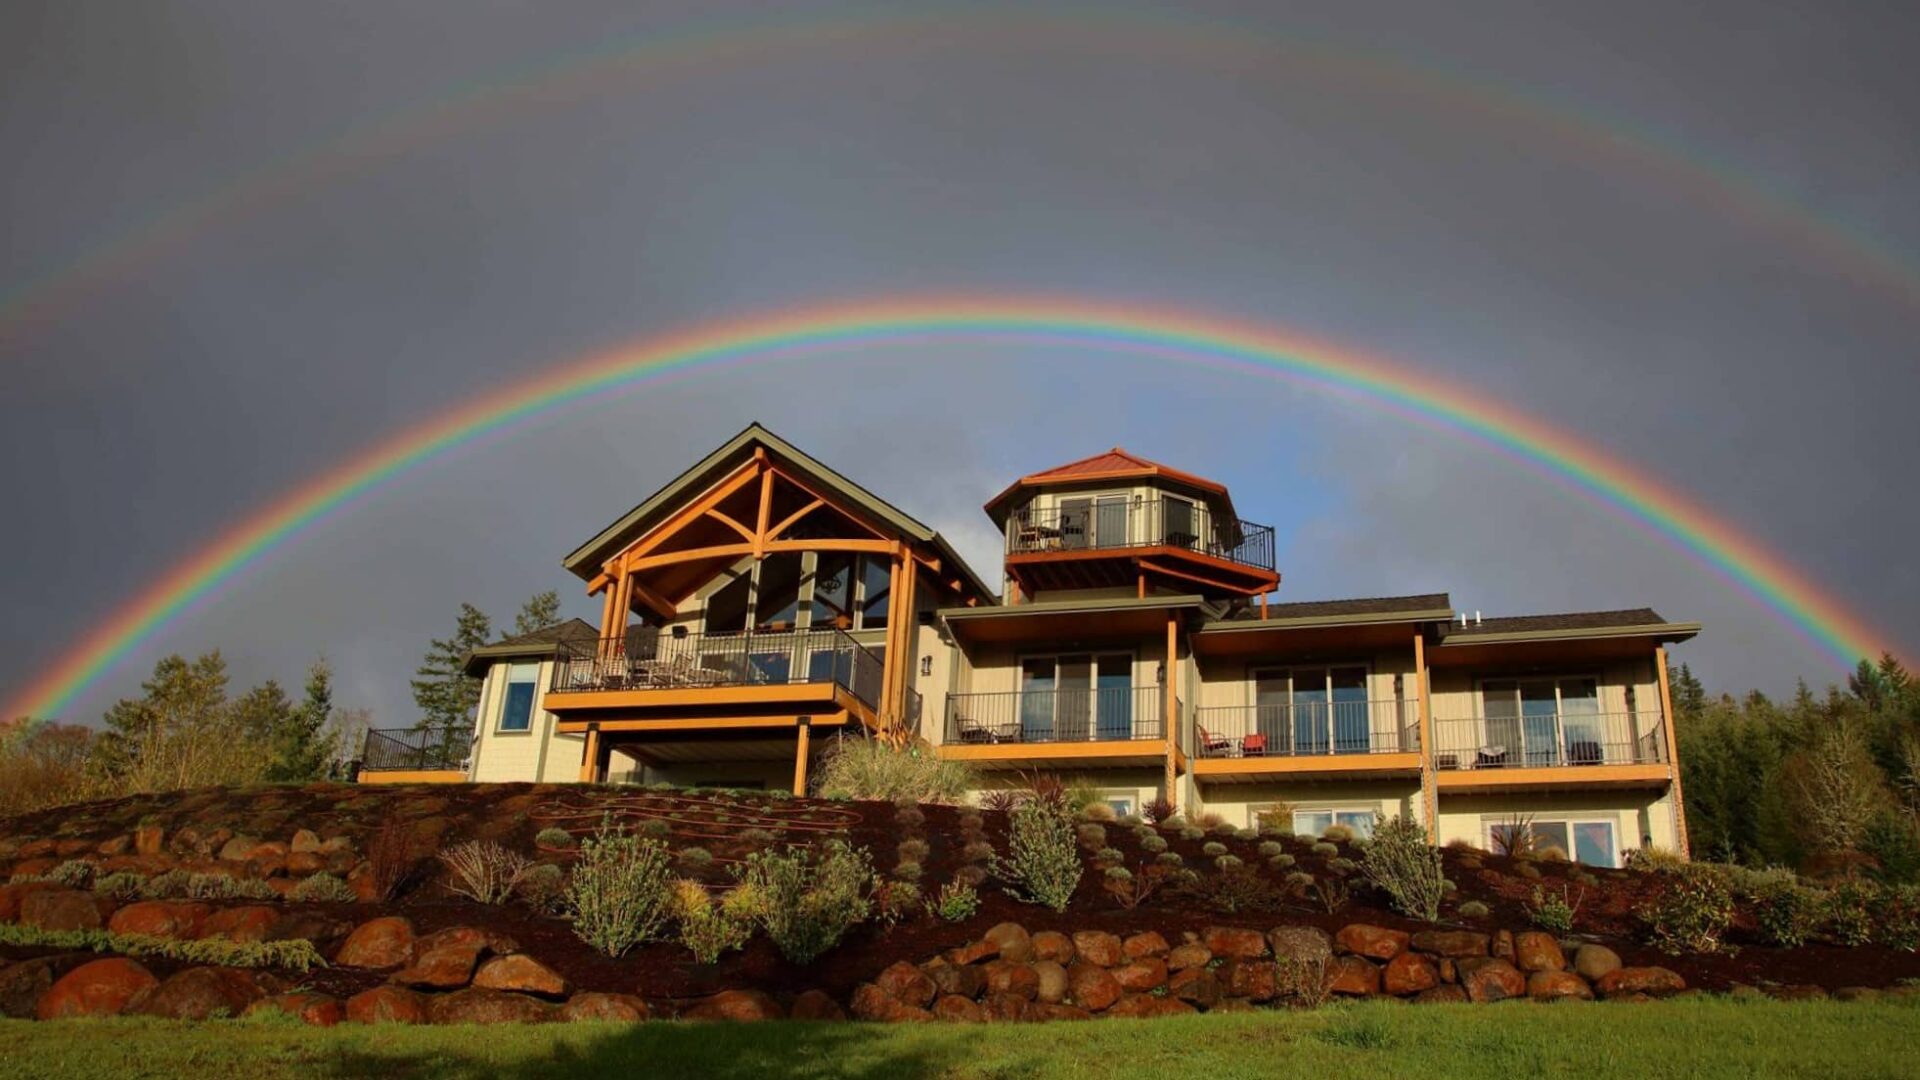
(74, 874)
(544, 888)
(1337, 834)
(977, 852)
(972, 875)
(706, 929)
(1787, 912)
(483, 871)
(1325, 850)
(905, 802)
(910, 817)
(807, 903)
(972, 821)
(912, 850)
(1210, 821)
(1527, 870)
(1003, 800)
(1235, 889)
(1655, 860)
(1275, 820)
(908, 871)
(1213, 849)
(1168, 858)
(164, 885)
(123, 885)
(1514, 837)
(1473, 909)
(619, 892)
(698, 858)
(1225, 863)
(1157, 811)
(555, 837)
(1551, 853)
(1342, 865)
(1282, 861)
(1097, 811)
(1042, 866)
(655, 829)
(1333, 892)
(1896, 917)
(1109, 856)
(1091, 836)
(222, 887)
(1269, 848)
(956, 902)
(758, 837)
(1405, 867)
(1130, 890)
(1848, 913)
(1555, 911)
(296, 954)
(1302, 980)
(895, 900)
(858, 768)
(322, 888)
(1129, 819)
(1193, 832)
(1690, 915)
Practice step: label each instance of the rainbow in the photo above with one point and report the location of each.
(1173, 336)
(702, 48)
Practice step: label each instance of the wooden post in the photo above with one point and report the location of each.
(1429, 794)
(590, 756)
(1673, 754)
(1143, 585)
(766, 507)
(800, 758)
(1263, 607)
(1171, 693)
(909, 640)
(890, 667)
(607, 608)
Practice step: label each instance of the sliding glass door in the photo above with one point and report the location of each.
(1076, 697)
(1541, 722)
(1312, 710)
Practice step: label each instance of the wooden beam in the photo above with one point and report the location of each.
(694, 510)
(793, 519)
(873, 547)
(655, 603)
(760, 523)
(1673, 754)
(835, 718)
(800, 759)
(909, 640)
(727, 519)
(1429, 788)
(718, 551)
(590, 755)
(1171, 693)
(1190, 576)
(810, 492)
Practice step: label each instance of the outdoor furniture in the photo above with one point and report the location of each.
(1253, 746)
(1585, 752)
(1212, 744)
(1490, 757)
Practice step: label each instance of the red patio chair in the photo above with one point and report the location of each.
(1253, 746)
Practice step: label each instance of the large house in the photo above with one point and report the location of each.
(761, 606)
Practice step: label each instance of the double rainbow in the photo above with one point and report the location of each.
(1174, 336)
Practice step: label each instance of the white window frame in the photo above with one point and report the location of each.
(506, 694)
(1093, 656)
(1612, 821)
(1559, 706)
(1333, 812)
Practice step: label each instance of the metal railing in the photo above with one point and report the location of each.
(651, 660)
(1549, 740)
(415, 750)
(1114, 714)
(1308, 728)
(1098, 525)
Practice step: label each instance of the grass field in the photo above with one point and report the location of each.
(1693, 1038)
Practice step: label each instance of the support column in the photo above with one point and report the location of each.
(909, 640)
(800, 758)
(590, 756)
(1170, 693)
(1429, 784)
(1673, 754)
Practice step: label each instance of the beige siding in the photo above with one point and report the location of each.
(1141, 785)
(1238, 802)
(539, 754)
(1637, 816)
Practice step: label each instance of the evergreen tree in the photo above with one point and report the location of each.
(1689, 697)
(443, 691)
(180, 695)
(302, 744)
(539, 612)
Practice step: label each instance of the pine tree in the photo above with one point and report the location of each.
(1689, 697)
(178, 695)
(539, 612)
(443, 691)
(302, 743)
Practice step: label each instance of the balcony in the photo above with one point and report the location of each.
(1033, 728)
(1096, 543)
(753, 671)
(407, 755)
(1583, 748)
(1350, 738)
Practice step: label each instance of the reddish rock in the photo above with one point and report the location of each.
(872, 1003)
(1146, 1005)
(305, 842)
(178, 919)
(1234, 943)
(1301, 944)
(1502, 948)
(101, 988)
(1450, 943)
(1653, 981)
(521, 974)
(238, 848)
(445, 960)
(1255, 980)
(1142, 975)
(478, 1006)
(65, 909)
(947, 978)
(1377, 942)
(1091, 986)
(1192, 955)
(1053, 945)
(305, 863)
(1196, 986)
(387, 1005)
(1144, 946)
(1005, 1008)
(1010, 941)
(204, 993)
(267, 866)
(909, 985)
(114, 845)
(1791, 992)
(250, 923)
(308, 926)
(816, 1005)
(377, 943)
(1536, 951)
(1009, 977)
(1449, 972)
(67, 849)
(149, 840)
(1042, 1011)
(35, 849)
(318, 1010)
(1053, 987)
(23, 984)
(1099, 947)
(1557, 986)
(1590, 962)
(1441, 995)
(1408, 973)
(11, 896)
(624, 1008)
(34, 867)
(1491, 979)
(1352, 975)
(958, 1009)
(971, 953)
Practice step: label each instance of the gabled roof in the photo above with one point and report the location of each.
(585, 561)
(1627, 622)
(1115, 464)
(542, 642)
(1424, 607)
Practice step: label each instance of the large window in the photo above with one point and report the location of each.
(1313, 822)
(777, 606)
(727, 607)
(516, 705)
(876, 592)
(1542, 722)
(1076, 697)
(1312, 711)
(833, 590)
(847, 593)
(1587, 840)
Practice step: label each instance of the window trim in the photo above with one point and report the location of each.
(1093, 659)
(1332, 810)
(507, 684)
(1569, 819)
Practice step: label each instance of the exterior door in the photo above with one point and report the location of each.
(1348, 688)
(1075, 522)
(1036, 700)
(1273, 711)
(1113, 699)
(1311, 733)
(1073, 711)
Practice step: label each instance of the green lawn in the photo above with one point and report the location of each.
(1374, 1041)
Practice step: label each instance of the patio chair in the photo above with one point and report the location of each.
(1490, 757)
(1253, 746)
(1213, 744)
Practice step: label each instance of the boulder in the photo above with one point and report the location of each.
(816, 1005)
(318, 1010)
(1654, 981)
(1146, 1005)
(308, 926)
(179, 919)
(1376, 942)
(1491, 979)
(908, 984)
(1192, 955)
(1005, 1008)
(967, 982)
(872, 1003)
(1042, 1011)
(1408, 973)
(1196, 986)
(1053, 945)
(972, 952)
(12, 896)
(1301, 944)
(1009, 977)
(1145, 945)
(305, 842)
(305, 864)
(238, 848)
(1455, 944)
(1099, 947)
(113, 845)
(1052, 986)
(1856, 993)
(1255, 980)
(593, 1005)
(252, 922)
(204, 993)
(100, 988)
(475, 1005)
(23, 984)
(387, 1005)
(67, 849)
(1234, 943)
(377, 943)
(1352, 976)
(149, 840)
(1142, 975)
(1799, 992)
(64, 909)
(1091, 986)
(1591, 962)
(1441, 995)
(958, 1009)
(1502, 944)
(1557, 986)
(444, 960)
(1010, 941)
(521, 974)
(1535, 951)
(34, 868)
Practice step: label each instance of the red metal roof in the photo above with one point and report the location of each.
(1115, 463)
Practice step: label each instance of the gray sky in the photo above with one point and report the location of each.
(1468, 191)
